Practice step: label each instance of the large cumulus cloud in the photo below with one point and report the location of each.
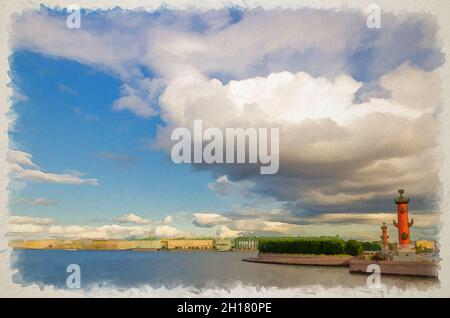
(334, 153)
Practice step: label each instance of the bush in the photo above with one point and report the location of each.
(316, 246)
(353, 248)
(421, 250)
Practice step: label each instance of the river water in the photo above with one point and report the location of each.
(127, 269)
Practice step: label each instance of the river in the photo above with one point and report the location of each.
(197, 269)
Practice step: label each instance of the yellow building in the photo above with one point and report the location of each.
(126, 245)
(425, 245)
(103, 244)
(190, 244)
(38, 245)
(64, 244)
(110, 244)
(149, 244)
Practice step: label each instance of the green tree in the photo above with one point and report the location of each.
(370, 246)
(299, 245)
(353, 247)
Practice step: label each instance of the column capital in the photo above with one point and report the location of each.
(401, 198)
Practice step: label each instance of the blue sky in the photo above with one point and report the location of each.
(71, 129)
(95, 107)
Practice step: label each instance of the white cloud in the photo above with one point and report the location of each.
(30, 220)
(225, 232)
(168, 231)
(413, 87)
(133, 103)
(254, 222)
(209, 219)
(91, 50)
(262, 226)
(174, 51)
(103, 232)
(133, 218)
(280, 98)
(25, 229)
(136, 219)
(45, 228)
(168, 220)
(42, 227)
(227, 188)
(48, 177)
(19, 159)
(138, 97)
(37, 202)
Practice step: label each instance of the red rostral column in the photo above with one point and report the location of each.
(403, 225)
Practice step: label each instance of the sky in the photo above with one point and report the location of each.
(94, 108)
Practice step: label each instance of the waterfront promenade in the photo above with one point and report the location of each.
(297, 259)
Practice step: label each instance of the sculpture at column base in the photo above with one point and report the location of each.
(385, 254)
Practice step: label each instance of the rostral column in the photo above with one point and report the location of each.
(403, 225)
(384, 236)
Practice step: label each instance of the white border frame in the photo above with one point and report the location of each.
(439, 8)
